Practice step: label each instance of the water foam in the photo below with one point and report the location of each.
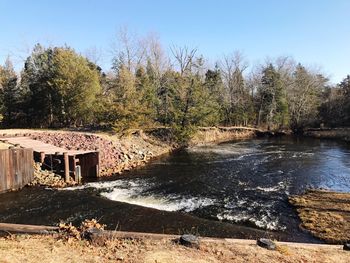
(230, 149)
(265, 221)
(135, 192)
(170, 203)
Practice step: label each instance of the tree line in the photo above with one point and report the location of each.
(146, 87)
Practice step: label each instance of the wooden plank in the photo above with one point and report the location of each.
(16, 168)
(9, 170)
(88, 164)
(3, 184)
(99, 235)
(66, 166)
(17, 176)
(97, 168)
(27, 229)
(38, 146)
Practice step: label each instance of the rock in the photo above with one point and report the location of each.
(266, 243)
(189, 241)
(347, 246)
(91, 233)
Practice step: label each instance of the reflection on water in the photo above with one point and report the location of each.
(244, 182)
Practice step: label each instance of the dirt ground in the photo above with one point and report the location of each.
(52, 249)
(325, 214)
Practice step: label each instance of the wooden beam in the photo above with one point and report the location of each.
(27, 229)
(100, 235)
(74, 165)
(98, 163)
(66, 166)
(42, 157)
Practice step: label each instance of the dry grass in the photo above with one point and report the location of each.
(215, 135)
(325, 214)
(53, 249)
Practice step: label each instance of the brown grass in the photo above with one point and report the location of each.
(216, 135)
(53, 249)
(325, 214)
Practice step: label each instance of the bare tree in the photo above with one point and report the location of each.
(94, 54)
(155, 53)
(184, 57)
(128, 50)
(304, 96)
(232, 68)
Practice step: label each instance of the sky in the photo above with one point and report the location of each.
(313, 32)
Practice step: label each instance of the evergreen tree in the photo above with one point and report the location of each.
(335, 108)
(166, 97)
(61, 87)
(76, 82)
(40, 96)
(130, 102)
(147, 96)
(10, 94)
(214, 86)
(345, 104)
(273, 103)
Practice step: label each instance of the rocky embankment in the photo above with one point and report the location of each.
(48, 178)
(116, 154)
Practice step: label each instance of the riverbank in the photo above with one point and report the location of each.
(122, 153)
(40, 206)
(214, 135)
(329, 133)
(325, 214)
(82, 202)
(54, 248)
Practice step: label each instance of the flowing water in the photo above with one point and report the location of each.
(244, 183)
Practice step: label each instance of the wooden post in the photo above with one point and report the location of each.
(42, 157)
(66, 166)
(77, 174)
(98, 164)
(74, 166)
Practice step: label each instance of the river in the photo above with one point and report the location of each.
(235, 189)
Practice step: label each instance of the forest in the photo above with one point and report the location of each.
(148, 87)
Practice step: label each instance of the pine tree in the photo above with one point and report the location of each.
(214, 87)
(345, 103)
(77, 83)
(10, 94)
(273, 103)
(166, 95)
(61, 87)
(35, 79)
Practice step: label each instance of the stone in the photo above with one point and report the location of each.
(266, 243)
(189, 241)
(95, 236)
(347, 246)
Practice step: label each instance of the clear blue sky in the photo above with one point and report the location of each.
(314, 32)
